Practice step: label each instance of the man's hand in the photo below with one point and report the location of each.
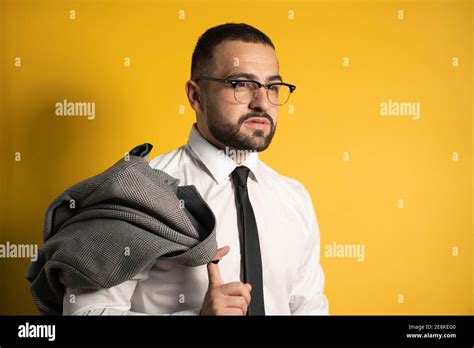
(224, 299)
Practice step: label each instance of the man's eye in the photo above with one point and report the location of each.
(275, 88)
(242, 84)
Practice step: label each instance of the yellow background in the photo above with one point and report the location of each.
(408, 251)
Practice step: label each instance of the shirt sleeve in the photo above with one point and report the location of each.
(112, 301)
(308, 293)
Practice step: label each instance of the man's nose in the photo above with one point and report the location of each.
(260, 101)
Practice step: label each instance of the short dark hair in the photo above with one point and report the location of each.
(203, 52)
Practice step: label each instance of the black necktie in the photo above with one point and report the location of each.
(249, 244)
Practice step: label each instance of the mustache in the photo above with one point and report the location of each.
(264, 115)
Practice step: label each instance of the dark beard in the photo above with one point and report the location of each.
(229, 134)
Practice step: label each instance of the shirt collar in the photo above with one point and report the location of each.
(217, 161)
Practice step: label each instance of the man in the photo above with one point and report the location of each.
(266, 226)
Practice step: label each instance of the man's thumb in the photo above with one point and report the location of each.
(213, 269)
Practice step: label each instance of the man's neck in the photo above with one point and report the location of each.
(238, 156)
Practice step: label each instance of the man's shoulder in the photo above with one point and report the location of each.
(169, 161)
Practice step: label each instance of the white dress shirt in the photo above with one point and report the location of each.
(293, 280)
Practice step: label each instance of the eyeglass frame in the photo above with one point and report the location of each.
(234, 82)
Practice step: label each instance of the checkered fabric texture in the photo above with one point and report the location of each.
(106, 229)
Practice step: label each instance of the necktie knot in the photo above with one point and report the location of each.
(240, 175)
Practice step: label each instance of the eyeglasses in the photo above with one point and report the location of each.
(245, 91)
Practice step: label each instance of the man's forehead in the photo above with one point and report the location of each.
(246, 60)
(244, 50)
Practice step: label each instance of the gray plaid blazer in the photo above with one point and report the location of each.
(104, 230)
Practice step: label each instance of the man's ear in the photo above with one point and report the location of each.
(193, 92)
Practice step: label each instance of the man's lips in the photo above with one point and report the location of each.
(257, 122)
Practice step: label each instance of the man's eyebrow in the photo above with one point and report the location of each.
(241, 74)
(275, 77)
(252, 76)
